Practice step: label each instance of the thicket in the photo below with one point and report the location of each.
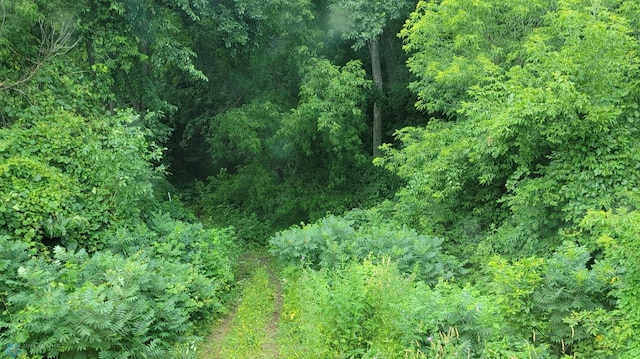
(311, 155)
(93, 262)
(499, 220)
(91, 266)
(528, 174)
(98, 257)
(530, 307)
(332, 242)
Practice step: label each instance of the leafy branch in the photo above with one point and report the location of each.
(54, 42)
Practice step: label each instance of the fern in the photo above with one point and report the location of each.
(101, 305)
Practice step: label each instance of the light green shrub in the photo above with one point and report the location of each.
(333, 241)
(371, 310)
(615, 233)
(141, 299)
(345, 313)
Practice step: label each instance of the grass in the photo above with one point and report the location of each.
(250, 331)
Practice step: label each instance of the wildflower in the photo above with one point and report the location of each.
(429, 339)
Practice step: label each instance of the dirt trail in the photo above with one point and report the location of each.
(242, 326)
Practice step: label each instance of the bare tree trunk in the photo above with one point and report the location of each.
(377, 79)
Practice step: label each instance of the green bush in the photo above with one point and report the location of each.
(34, 192)
(212, 251)
(615, 234)
(335, 240)
(532, 307)
(345, 313)
(77, 305)
(371, 310)
(139, 299)
(542, 298)
(67, 179)
(310, 244)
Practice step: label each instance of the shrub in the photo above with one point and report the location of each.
(140, 299)
(335, 240)
(67, 179)
(310, 244)
(210, 250)
(615, 234)
(348, 312)
(542, 298)
(371, 310)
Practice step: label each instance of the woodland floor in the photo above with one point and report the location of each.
(250, 330)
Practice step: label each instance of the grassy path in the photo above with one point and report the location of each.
(251, 330)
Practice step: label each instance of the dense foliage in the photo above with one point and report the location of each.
(93, 263)
(89, 266)
(528, 171)
(336, 241)
(499, 219)
(311, 155)
(67, 178)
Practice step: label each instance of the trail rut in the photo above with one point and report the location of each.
(250, 330)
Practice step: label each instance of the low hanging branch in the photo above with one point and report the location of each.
(54, 42)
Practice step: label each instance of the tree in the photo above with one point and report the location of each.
(364, 22)
(543, 135)
(118, 52)
(56, 39)
(458, 44)
(130, 48)
(36, 42)
(311, 156)
(249, 53)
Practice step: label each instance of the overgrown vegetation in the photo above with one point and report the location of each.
(91, 266)
(497, 220)
(95, 261)
(523, 178)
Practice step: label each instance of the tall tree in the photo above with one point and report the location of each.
(130, 48)
(364, 22)
(119, 51)
(455, 45)
(544, 133)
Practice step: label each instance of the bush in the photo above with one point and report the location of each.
(615, 235)
(371, 310)
(335, 240)
(139, 299)
(345, 313)
(67, 179)
(211, 250)
(543, 298)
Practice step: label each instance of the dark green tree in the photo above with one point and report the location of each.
(364, 22)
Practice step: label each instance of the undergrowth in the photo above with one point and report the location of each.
(248, 333)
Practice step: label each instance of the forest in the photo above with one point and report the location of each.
(426, 178)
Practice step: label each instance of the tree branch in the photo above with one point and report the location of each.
(53, 42)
